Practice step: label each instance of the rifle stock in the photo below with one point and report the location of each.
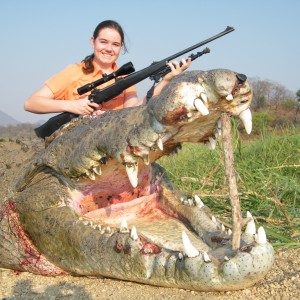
(121, 84)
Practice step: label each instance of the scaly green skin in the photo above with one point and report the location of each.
(48, 222)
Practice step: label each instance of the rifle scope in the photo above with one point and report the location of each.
(123, 70)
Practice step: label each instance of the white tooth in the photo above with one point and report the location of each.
(226, 258)
(88, 223)
(134, 234)
(132, 173)
(246, 118)
(107, 229)
(190, 201)
(261, 237)
(91, 175)
(160, 144)
(229, 232)
(203, 97)
(229, 97)
(189, 249)
(97, 170)
(146, 159)
(198, 201)
(206, 257)
(250, 228)
(223, 227)
(249, 215)
(180, 256)
(213, 218)
(201, 107)
(186, 202)
(189, 115)
(124, 226)
(212, 143)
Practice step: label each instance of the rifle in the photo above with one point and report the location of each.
(157, 69)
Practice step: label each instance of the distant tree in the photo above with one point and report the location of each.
(261, 90)
(268, 94)
(298, 99)
(298, 96)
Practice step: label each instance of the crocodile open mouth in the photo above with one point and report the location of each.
(101, 206)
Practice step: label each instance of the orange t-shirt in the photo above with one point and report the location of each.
(64, 85)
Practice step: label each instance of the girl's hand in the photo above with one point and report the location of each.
(82, 106)
(176, 69)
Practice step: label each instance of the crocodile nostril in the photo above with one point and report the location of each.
(241, 78)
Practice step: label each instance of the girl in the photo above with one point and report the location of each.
(107, 42)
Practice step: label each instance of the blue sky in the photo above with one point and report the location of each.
(40, 38)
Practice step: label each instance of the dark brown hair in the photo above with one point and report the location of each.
(88, 61)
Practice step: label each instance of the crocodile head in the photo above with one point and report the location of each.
(95, 202)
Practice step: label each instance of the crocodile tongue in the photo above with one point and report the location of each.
(151, 222)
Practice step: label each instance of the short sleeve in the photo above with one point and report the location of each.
(60, 83)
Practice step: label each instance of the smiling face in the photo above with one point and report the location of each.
(107, 46)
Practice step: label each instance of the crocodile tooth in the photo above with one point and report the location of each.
(213, 218)
(91, 175)
(88, 223)
(190, 202)
(261, 237)
(189, 249)
(124, 226)
(229, 97)
(189, 115)
(97, 170)
(223, 227)
(107, 229)
(226, 258)
(206, 257)
(212, 143)
(180, 256)
(201, 107)
(98, 227)
(198, 201)
(132, 173)
(246, 118)
(250, 228)
(160, 144)
(186, 202)
(229, 232)
(248, 213)
(146, 159)
(203, 97)
(133, 233)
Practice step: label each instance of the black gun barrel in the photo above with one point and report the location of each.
(156, 77)
(100, 96)
(226, 31)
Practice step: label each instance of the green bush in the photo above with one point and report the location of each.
(261, 120)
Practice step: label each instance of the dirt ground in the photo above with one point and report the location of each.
(282, 282)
